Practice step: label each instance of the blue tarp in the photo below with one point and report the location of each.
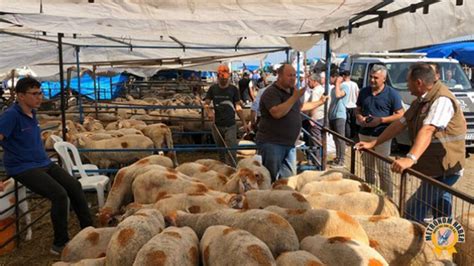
(52, 88)
(461, 51)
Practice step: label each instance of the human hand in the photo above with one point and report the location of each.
(247, 128)
(2, 186)
(323, 98)
(373, 121)
(399, 165)
(367, 145)
(210, 115)
(297, 93)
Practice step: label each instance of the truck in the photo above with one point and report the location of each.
(451, 73)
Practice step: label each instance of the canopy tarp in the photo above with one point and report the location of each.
(462, 51)
(111, 30)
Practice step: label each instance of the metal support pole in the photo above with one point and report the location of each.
(61, 85)
(79, 99)
(95, 92)
(287, 51)
(111, 89)
(353, 159)
(403, 188)
(326, 92)
(298, 81)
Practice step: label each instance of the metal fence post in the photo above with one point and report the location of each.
(402, 198)
(353, 155)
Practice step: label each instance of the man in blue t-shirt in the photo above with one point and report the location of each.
(226, 100)
(337, 115)
(27, 162)
(377, 106)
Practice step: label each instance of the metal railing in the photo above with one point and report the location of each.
(418, 197)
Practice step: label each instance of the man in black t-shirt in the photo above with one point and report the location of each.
(226, 100)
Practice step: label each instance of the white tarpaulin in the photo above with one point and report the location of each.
(444, 21)
(200, 28)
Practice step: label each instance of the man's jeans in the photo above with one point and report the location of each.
(55, 184)
(230, 137)
(383, 168)
(280, 160)
(431, 198)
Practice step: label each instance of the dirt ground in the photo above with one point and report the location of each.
(36, 251)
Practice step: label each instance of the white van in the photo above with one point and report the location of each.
(397, 65)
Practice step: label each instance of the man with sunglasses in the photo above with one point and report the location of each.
(26, 161)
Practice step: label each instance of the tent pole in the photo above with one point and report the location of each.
(326, 92)
(111, 91)
(287, 51)
(61, 85)
(95, 91)
(79, 99)
(298, 78)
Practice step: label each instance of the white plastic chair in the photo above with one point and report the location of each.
(75, 173)
(97, 182)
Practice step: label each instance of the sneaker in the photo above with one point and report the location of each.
(56, 250)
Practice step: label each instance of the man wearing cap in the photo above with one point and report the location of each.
(226, 100)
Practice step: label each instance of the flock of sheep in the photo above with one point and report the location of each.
(208, 213)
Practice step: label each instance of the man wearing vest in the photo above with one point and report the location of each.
(437, 130)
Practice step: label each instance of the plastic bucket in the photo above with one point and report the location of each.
(7, 233)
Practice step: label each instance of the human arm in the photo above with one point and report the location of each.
(390, 132)
(385, 120)
(314, 104)
(422, 141)
(338, 91)
(280, 110)
(240, 113)
(208, 110)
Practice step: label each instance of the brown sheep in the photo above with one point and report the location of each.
(224, 245)
(354, 203)
(466, 248)
(241, 181)
(259, 199)
(342, 251)
(322, 222)
(84, 262)
(217, 166)
(121, 192)
(173, 246)
(260, 171)
(89, 243)
(192, 168)
(336, 187)
(298, 181)
(192, 203)
(399, 241)
(132, 233)
(269, 227)
(298, 258)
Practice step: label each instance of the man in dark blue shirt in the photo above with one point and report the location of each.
(27, 162)
(378, 105)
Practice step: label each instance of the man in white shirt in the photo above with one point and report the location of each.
(351, 122)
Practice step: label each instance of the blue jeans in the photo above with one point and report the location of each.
(429, 197)
(280, 160)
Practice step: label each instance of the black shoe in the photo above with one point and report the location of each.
(56, 250)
